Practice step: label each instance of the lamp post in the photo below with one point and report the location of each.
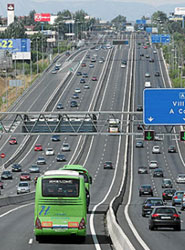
(6, 84)
(180, 67)
(37, 38)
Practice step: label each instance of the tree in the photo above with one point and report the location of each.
(159, 16)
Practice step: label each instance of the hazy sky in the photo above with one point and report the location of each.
(104, 9)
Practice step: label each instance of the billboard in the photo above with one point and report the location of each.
(21, 56)
(42, 17)
(179, 11)
(15, 45)
(10, 7)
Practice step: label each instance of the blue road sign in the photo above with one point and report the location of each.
(17, 45)
(165, 38)
(148, 29)
(164, 106)
(141, 21)
(156, 38)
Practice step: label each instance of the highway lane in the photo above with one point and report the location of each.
(30, 218)
(172, 165)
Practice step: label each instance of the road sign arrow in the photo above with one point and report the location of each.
(150, 119)
(149, 137)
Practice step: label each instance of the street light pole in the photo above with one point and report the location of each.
(6, 85)
(37, 56)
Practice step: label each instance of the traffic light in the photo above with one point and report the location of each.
(182, 135)
(149, 135)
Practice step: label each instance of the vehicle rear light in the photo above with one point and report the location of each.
(38, 224)
(176, 197)
(164, 194)
(82, 224)
(155, 215)
(176, 216)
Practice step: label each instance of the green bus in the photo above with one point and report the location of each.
(60, 204)
(82, 171)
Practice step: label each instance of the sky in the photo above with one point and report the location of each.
(103, 9)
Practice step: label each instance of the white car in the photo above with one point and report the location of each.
(153, 164)
(154, 52)
(147, 84)
(158, 138)
(156, 150)
(77, 90)
(49, 151)
(23, 187)
(180, 178)
(65, 146)
(147, 75)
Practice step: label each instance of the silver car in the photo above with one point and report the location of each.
(23, 187)
(180, 178)
(34, 169)
(41, 161)
(65, 146)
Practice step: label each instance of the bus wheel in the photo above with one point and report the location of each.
(82, 239)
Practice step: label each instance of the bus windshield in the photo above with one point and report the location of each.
(60, 187)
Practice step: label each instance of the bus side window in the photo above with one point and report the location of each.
(90, 179)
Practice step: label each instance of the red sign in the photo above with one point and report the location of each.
(10, 6)
(2, 155)
(42, 17)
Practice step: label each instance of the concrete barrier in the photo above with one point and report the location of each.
(16, 199)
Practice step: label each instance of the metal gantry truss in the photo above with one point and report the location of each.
(74, 123)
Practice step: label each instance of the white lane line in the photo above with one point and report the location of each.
(30, 241)
(14, 209)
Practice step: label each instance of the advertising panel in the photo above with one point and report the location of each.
(179, 11)
(42, 17)
(15, 45)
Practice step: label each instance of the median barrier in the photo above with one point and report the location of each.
(16, 199)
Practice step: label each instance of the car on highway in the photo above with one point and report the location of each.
(149, 204)
(157, 73)
(142, 170)
(60, 158)
(158, 172)
(156, 150)
(158, 138)
(73, 104)
(93, 59)
(147, 74)
(108, 165)
(57, 68)
(79, 73)
(151, 60)
(145, 47)
(6, 174)
(148, 84)
(165, 216)
(34, 169)
(101, 60)
(67, 53)
(41, 160)
(55, 138)
(153, 164)
(38, 147)
(65, 147)
(177, 197)
(83, 64)
(60, 106)
(154, 52)
(13, 141)
(94, 78)
(141, 54)
(180, 179)
(82, 80)
(139, 108)
(25, 176)
(91, 65)
(145, 189)
(75, 96)
(167, 194)
(58, 64)
(147, 56)
(49, 151)
(77, 90)
(172, 149)
(167, 183)
(86, 86)
(139, 144)
(54, 71)
(23, 187)
(16, 167)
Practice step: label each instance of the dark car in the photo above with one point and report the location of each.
(55, 138)
(142, 170)
(139, 108)
(108, 165)
(151, 60)
(85, 75)
(60, 157)
(149, 204)
(165, 216)
(82, 80)
(145, 190)
(141, 54)
(139, 144)
(59, 106)
(79, 73)
(73, 104)
(167, 183)
(168, 194)
(158, 172)
(6, 175)
(16, 167)
(25, 177)
(157, 73)
(172, 149)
